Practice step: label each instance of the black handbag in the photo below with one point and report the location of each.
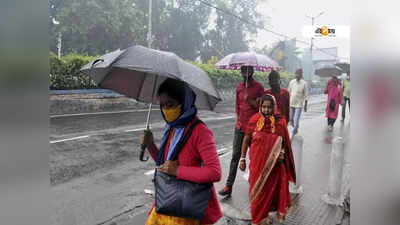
(332, 104)
(181, 198)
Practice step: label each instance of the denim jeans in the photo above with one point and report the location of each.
(295, 114)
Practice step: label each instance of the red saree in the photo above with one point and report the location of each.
(269, 179)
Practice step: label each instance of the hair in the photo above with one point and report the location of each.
(274, 75)
(174, 89)
(244, 68)
(267, 98)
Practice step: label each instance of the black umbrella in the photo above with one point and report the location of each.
(137, 72)
(327, 70)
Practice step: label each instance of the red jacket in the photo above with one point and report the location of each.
(200, 147)
(283, 100)
(243, 110)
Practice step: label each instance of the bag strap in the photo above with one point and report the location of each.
(185, 138)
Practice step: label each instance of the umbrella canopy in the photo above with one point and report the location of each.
(235, 60)
(327, 70)
(101, 65)
(344, 66)
(138, 71)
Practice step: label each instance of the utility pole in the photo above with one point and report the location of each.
(59, 40)
(312, 41)
(149, 35)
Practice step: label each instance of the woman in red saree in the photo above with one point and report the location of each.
(271, 162)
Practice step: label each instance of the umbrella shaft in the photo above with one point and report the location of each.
(151, 104)
(247, 83)
(148, 117)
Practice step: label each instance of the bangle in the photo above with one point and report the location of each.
(242, 159)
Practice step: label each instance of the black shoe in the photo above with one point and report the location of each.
(226, 191)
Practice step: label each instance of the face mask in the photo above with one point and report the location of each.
(172, 114)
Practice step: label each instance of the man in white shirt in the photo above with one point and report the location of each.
(298, 90)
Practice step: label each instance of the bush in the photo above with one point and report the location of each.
(225, 79)
(65, 72)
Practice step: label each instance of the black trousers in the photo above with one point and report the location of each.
(331, 122)
(236, 154)
(344, 107)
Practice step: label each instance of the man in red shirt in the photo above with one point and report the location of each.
(247, 94)
(281, 95)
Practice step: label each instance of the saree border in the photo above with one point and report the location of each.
(269, 165)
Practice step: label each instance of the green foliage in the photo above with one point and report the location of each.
(96, 26)
(184, 27)
(227, 79)
(65, 72)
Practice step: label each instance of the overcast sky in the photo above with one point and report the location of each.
(289, 17)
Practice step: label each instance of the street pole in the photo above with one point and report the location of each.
(149, 40)
(311, 48)
(59, 44)
(149, 35)
(312, 42)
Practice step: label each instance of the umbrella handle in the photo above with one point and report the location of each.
(91, 67)
(143, 146)
(141, 156)
(93, 64)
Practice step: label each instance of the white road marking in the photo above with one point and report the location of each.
(219, 118)
(221, 151)
(100, 113)
(150, 172)
(207, 119)
(223, 155)
(139, 129)
(69, 139)
(149, 192)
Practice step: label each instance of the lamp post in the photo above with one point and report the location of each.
(59, 38)
(149, 35)
(312, 40)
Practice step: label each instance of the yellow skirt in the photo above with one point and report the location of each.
(160, 219)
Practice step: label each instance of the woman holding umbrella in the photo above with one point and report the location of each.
(198, 160)
(271, 162)
(335, 96)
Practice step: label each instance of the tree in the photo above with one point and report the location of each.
(178, 26)
(230, 33)
(96, 26)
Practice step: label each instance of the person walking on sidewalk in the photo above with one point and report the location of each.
(197, 160)
(271, 162)
(281, 95)
(346, 95)
(298, 90)
(335, 95)
(247, 93)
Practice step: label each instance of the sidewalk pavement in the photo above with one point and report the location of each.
(307, 207)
